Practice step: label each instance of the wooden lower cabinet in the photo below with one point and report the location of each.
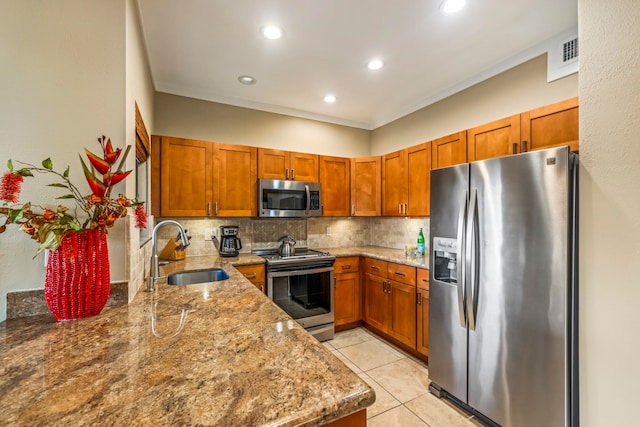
(255, 273)
(347, 296)
(422, 343)
(389, 305)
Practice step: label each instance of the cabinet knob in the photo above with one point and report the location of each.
(251, 275)
(514, 148)
(523, 146)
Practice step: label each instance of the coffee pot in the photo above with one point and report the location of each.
(230, 243)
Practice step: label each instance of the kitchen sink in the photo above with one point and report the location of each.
(197, 276)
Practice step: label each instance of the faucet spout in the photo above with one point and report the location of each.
(154, 271)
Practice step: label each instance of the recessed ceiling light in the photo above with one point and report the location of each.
(272, 32)
(451, 6)
(375, 64)
(330, 98)
(247, 80)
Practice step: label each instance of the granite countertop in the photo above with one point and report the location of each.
(212, 354)
(385, 254)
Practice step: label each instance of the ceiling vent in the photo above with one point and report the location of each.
(562, 56)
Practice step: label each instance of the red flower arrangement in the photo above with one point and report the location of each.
(100, 208)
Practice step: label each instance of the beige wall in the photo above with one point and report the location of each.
(63, 85)
(520, 89)
(210, 121)
(610, 211)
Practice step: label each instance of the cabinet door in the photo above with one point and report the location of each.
(394, 183)
(376, 309)
(449, 150)
(336, 183)
(422, 344)
(554, 125)
(186, 182)
(419, 179)
(347, 298)
(366, 179)
(304, 167)
(273, 164)
(402, 325)
(255, 274)
(495, 139)
(235, 174)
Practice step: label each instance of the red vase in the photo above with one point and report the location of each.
(77, 283)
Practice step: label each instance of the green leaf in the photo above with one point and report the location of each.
(24, 172)
(66, 172)
(75, 226)
(16, 214)
(66, 196)
(50, 242)
(10, 165)
(47, 164)
(56, 184)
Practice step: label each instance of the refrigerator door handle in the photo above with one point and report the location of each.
(460, 258)
(471, 260)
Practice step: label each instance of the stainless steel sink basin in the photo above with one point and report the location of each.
(197, 276)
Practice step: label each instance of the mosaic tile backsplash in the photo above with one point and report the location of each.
(257, 234)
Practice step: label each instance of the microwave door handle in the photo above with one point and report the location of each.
(306, 189)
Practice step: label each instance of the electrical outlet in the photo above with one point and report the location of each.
(208, 234)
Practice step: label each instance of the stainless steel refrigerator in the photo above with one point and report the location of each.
(503, 288)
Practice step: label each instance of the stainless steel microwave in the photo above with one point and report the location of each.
(288, 199)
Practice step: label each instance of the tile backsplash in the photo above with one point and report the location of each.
(323, 232)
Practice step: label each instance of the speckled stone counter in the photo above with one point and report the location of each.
(385, 254)
(219, 353)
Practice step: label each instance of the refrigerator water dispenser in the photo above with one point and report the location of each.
(444, 259)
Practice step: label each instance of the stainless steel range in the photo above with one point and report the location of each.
(302, 285)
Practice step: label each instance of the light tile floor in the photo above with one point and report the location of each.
(401, 383)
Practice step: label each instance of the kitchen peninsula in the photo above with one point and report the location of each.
(219, 353)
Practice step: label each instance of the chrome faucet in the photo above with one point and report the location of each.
(154, 271)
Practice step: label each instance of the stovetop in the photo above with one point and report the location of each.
(302, 255)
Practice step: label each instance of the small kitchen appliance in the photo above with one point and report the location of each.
(230, 243)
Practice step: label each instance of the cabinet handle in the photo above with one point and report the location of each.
(293, 174)
(216, 208)
(514, 148)
(388, 287)
(353, 210)
(346, 266)
(523, 146)
(401, 274)
(425, 280)
(418, 298)
(262, 288)
(251, 276)
(406, 208)
(375, 267)
(286, 173)
(208, 208)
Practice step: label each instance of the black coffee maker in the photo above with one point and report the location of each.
(230, 243)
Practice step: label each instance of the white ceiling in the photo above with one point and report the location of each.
(198, 48)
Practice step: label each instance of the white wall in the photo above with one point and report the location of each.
(210, 121)
(62, 71)
(519, 89)
(610, 211)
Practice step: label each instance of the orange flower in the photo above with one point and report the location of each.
(48, 214)
(123, 201)
(94, 200)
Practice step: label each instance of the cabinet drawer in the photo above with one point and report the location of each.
(254, 273)
(346, 264)
(423, 279)
(376, 266)
(402, 273)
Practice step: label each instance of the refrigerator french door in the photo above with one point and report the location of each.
(503, 287)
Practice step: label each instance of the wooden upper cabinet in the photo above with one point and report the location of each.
(419, 179)
(336, 184)
(495, 139)
(366, 179)
(394, 183)
(553, 125)
(449, 150)
(304, 167)
(280, 164)
(235, 173)
(186, 177)
(406, 181)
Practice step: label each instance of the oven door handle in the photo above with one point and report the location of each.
(299, 272)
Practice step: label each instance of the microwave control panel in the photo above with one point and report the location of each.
(314, 203)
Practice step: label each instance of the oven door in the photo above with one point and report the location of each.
(305, 294)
